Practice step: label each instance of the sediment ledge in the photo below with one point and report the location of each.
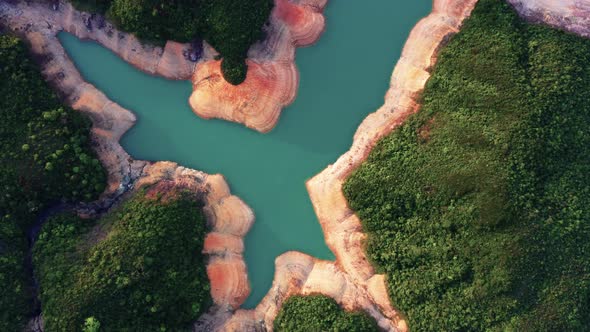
(272, 80)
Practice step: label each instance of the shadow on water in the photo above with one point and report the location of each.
(343, 78)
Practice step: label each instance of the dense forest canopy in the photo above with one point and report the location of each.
(478, 207)
(139, 268)
(230, 26)
(320, 313)
(45, 158)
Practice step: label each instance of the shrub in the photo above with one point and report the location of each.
(320, 313)
(234, 71)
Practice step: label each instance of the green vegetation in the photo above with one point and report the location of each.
(140, 268)
(45, 158)
(320, 313)
(478, 207)
(230, 26)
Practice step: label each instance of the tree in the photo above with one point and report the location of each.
(91, 325)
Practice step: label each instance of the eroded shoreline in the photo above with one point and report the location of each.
(228, 217)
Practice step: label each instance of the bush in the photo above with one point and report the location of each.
(234, 71)
(139, 268)
(477, 206)
(41, 144)
(320, 313)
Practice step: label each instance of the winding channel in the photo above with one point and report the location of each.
(343, 78)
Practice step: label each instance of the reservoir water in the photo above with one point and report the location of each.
(343, 78)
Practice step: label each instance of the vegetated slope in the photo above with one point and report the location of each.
(478, 207)
(140, 268)
(45, 158)
(320, 313)
(230, 26)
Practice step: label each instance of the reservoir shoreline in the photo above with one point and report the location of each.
(272, 80)
(351, 280)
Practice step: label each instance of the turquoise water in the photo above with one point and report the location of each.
(343, 78)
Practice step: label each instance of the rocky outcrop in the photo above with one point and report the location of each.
(256, 103)
(228, 217)
(272, 79)
(569, 15)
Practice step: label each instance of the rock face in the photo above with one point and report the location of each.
(272, 79)
(228, 218)
(569, 15)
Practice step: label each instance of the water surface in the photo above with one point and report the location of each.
(343, 78)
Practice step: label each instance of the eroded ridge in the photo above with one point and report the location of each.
(351, 280)
(171, 62)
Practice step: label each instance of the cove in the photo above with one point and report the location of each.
(342, 79)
